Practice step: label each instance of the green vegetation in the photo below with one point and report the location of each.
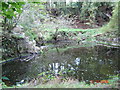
(66, 83)
(113, 24)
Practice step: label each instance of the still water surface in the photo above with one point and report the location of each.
(85, 63)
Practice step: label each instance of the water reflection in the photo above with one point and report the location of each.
(83, 63)
(77, 61)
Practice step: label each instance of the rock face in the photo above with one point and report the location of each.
(17, 43)
(26, 45)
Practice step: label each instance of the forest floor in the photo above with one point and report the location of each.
(77, 30)
(71, 83)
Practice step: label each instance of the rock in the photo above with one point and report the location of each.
(28, 46)
(18, 29)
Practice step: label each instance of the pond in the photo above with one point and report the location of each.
(83, 62)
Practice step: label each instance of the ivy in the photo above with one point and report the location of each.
(11, 9)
